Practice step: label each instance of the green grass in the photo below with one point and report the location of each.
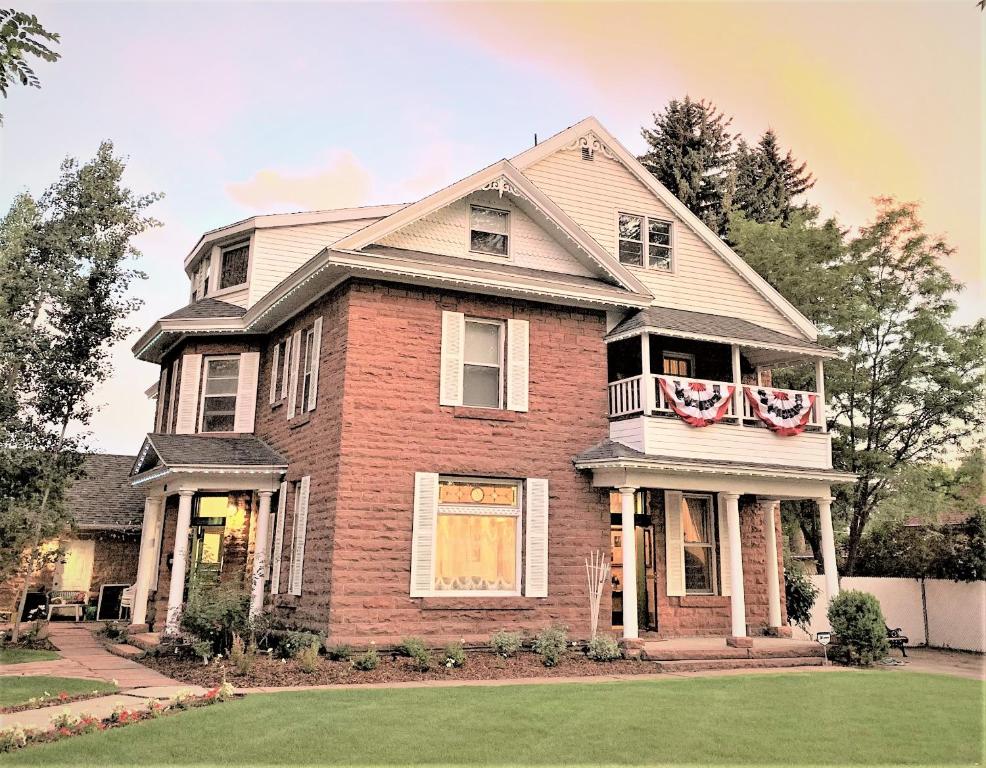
(18, 690)
(23, 655)
(838, 718)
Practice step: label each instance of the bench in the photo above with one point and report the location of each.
(897, 639)
(68, 600)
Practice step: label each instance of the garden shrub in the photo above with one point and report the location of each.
(115, 631)
(203, 649)
(505, 644)
(240, 656)
(293, 642)
(603, 648)
(215, 613)
(799, 594)
(410, 646)
(550, 644)
(455, 655)
(367, 660)
(857, 621)
(308, 658)
(339, 652)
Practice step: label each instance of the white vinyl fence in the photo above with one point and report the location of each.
(947, 614)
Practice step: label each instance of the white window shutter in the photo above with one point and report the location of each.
(316, 353)
(286, 363)
(275, 558)
(293, 377)
(423, 533)
(246, 392)
(300, 533)
(166, 428)
(518, 364)
(674, 543)
(162, 387)
(725, 583)
(453, 343)
(536, 549)
(188, 398)
(273, 373)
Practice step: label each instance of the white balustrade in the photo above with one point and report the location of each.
(624, 397)
(813, 419)
(662, 400)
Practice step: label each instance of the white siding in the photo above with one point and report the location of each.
(446, 232)
(592, 193)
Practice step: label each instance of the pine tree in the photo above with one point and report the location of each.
(767, 182)
(690, 152)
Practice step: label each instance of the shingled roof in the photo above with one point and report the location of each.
(205, 309)
(102, 498)
(205, 451)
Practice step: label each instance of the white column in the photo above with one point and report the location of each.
(771, 509)
(737, 600)
(179, 562)
(147, 562)
(828, 548)
(260, 554)
(820, 389)
(647, 392)
(628, 508)
(738, 382)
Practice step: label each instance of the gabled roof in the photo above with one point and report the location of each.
(506, 179)
(589, 132)
(163, 453)
(206, 308)
(102, 497)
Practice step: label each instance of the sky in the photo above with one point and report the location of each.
(232, 109)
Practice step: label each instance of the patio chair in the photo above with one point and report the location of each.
(127, 600)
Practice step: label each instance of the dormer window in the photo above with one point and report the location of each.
(200, 279)
(644, 237)
(488, 230)
(233, 271)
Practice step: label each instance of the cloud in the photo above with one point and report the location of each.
(341, 182)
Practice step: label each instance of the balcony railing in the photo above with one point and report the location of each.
(626, 399)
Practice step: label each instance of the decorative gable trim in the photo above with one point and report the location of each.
(592, 143)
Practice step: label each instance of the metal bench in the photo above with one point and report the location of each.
(68, 600)
(897, 639)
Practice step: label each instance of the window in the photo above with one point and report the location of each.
(200, 279)
(477, 536)
(482, 369)
(678, 364)
(222, 375)
(640, 235)
(700, 550)
(488, 230)
(165, 397)
(234, 266)
(306, 378)
(281, 374)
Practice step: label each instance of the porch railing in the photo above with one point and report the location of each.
(813, 420)
(662, 401)
(624, 397)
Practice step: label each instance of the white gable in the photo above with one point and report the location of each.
(446, 232)
(594, 192)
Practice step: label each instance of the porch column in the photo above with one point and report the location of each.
(828, 548)
(737, 599)
(179, 561)
(627, 509)
(738, 384)
(647, 392)
(773, 581)
(820, 389)
(260, 554)
(147, 562)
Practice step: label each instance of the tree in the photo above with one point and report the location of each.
(22, 34)
(64, 267)
(766, 182)
(689, 150)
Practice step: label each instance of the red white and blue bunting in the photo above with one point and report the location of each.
(787, 413)
(697, 403)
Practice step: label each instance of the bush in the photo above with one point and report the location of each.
(293, 642)
(216, 613)
(857, 621)
(799, 594)
(603, 648)
(414, 648)
(339, 652)
(367, 661)
(550, 644)
(240, 656)
(115, 631)
(455, 655)
(203, 649)
(308, 658)
(505, 644)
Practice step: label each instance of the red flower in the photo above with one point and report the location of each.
(64, 731)
(62, 696)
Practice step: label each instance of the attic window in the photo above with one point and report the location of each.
(234, 266)
(488, 230)
(586, 153)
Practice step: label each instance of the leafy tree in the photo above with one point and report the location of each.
(21, 34)
(766, 182)
(64, 268)
(689, 150)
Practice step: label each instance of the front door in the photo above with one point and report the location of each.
(646, 568)
(207, 551)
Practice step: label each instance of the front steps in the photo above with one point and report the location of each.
(703, 654)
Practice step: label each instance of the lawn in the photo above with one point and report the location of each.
(23, 655)
(18, 690)
(832, 718)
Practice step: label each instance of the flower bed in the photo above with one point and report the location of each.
(50, 699)
(67, 725)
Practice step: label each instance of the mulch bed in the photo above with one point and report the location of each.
(53, 701)
(480, 665)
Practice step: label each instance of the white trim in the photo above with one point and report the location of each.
(502, 257)
(646, 218)
(711, 545)
(316, 356)
(501, 361)
(659, 331)
(203, 382)
(274, 365)
(277, 550)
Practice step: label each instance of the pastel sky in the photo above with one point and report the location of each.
(232, 109)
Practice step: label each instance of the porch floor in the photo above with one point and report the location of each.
(683, 654)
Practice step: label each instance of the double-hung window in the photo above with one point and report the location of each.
(698, 533)
(478, 537)
(644, 241)
(482, 370)
(281, 373)
(233, 266)
(488, 230)
(219, 394)
(678, 364)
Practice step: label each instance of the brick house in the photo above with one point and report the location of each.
(422, 418)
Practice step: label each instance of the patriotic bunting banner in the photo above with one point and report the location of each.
(786, 413)
(697, 403)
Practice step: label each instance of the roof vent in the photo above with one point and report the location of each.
(586, 153)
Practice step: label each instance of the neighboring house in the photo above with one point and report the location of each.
(103, 545)
(421, 419)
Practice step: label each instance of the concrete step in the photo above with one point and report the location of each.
(697, 665)
(660, 652)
